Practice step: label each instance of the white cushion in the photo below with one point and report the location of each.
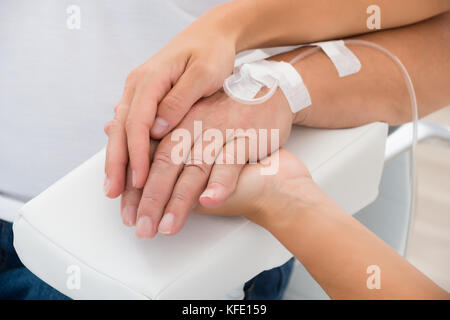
(73, 224)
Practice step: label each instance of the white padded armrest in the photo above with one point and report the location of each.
(73, 224)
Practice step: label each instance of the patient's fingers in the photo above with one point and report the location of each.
(158, 188)
(130, 201)
(131, 196)
(188, 188)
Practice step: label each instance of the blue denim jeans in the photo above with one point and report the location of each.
(270, 284)
(17, 282)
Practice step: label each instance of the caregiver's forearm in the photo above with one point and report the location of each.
(264, 23)
(378, 92)
(337, 251)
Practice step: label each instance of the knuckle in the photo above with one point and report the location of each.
(127, 195)
(151, 200)
(180, 196)
(225, 183)
(129, 198)
(106, 127)
(198, 168)
(221, 184)
(210, 71)
(114, 126)
(172, 103)
(206, 69)
(132, 77)
(131, 123)
(134, 122)
(162, 159)
(228, 186)
(147, 71)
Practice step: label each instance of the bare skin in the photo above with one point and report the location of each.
(305, 220)
(376, 93)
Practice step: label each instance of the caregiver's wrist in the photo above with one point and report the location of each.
(224, 20)
(282, 208)
(239, 20)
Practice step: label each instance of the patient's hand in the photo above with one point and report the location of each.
(173, 188)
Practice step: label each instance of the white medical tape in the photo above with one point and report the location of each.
(342, 57)
(293, 87)
(248, 79)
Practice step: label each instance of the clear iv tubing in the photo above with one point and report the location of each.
(412, 98)
(415, 118)
(414, 110)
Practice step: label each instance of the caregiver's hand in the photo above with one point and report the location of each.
(160, 92)
(173, 188)
(255, 193)
(306, 221)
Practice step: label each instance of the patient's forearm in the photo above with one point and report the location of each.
(337, 251)
(264, 23)
(378, 92)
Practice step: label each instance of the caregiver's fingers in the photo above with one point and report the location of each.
(224, 177)
(150, 90)
(193, 84)
(116, 150)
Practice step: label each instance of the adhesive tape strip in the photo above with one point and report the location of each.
(342, 57)
(293, 87)
(245, 83)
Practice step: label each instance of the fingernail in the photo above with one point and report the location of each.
(166, 224)
(106, 185)
(144, 227)
(208, 193)
(133, 178)
(159, 127)
(129, 215)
